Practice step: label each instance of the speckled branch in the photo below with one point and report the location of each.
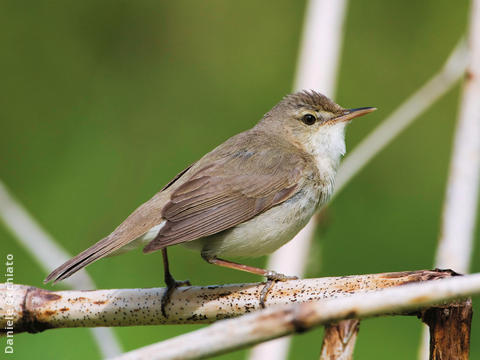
(32, 309)
(232, 334)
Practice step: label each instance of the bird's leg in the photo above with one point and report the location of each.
(272, 276)
(171, 283)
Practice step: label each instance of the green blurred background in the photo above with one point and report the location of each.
(104, 101)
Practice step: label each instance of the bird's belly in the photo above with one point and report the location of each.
(264, 233)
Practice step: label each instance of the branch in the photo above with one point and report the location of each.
(49, 254)
(318, 60)
(460, 206)
(449, 330)
(339, 340)
(316, 69)
(32, 309)
(364, 152)
(403, 116)
(36, 240)
(274, 322)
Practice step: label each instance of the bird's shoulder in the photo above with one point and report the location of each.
(251, 152)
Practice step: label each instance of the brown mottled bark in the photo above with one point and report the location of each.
(449, 330)
(339, 340)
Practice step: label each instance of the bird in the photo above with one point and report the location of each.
(245, 198)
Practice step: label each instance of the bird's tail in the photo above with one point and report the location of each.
(143, 223)
(95, 252)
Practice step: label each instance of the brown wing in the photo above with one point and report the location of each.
(226, 193)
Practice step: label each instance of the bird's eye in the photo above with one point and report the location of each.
(309, 119)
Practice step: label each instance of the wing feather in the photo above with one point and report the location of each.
(217, 198)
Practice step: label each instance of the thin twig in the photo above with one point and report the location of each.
(460, 207)
(36, 240)
(459, 210)
(232, 334)
(32, 309)
(296, 250)
(339, 340)
(49, 254)
(403, 116)
(316, 69)
(318, 60)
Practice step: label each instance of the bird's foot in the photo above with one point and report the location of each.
(172, 284)
(272, 278)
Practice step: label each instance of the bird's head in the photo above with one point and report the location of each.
(312, 122)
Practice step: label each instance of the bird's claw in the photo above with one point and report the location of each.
(182, 283)
(172, 284)
(272, 277)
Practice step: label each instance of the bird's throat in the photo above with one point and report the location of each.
(327, 146)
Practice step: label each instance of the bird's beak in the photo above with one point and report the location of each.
(350, 114)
